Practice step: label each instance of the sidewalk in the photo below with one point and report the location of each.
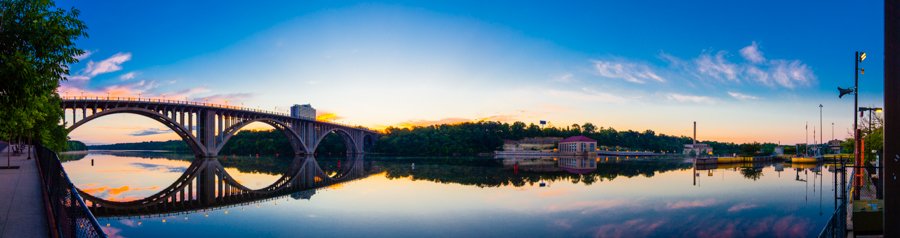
(21, 202)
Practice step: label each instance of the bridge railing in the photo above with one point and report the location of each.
(205, 104)
(67, 210)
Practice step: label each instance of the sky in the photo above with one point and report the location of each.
(745, 71)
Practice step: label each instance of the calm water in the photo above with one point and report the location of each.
(467, 197)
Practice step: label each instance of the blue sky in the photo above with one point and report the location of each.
(748, 71)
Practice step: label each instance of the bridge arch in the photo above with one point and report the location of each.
(349, 140)
(186, 136)
(296, 142)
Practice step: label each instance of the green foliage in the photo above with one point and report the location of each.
(37, 42)
(74, 145)
(751, 149)
(332, 144)
(847, 145)
(874, 141)
(751, 173)
(482, 137)
(263, 142)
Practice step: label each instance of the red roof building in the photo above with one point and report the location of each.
(578, 139)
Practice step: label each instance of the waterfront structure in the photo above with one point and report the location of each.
(835, 146)
(577, 145)
(206, 128)
(695, 148)
(531, 144)
(304, 111)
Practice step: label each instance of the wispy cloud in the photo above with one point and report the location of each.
(565, 78)
(629, 71)
(150, 131)
(752, 53)
(691, 204)
(226, 97)
(685, 98)
(717, 66)
(127, 76)
(757, 69)
(741, 207)
(741, 96)
(791, 73)
(111, 64)
(78, 78)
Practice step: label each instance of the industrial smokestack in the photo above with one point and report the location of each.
(695, 132)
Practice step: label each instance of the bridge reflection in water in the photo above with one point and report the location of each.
(206, 184)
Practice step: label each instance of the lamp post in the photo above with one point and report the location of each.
(821, 131)
(859, 57)
(870, 110)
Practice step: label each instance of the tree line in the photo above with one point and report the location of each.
(472, 138)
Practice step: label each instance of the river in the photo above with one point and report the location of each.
(379, 196)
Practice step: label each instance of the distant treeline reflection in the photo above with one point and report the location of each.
(492, 173)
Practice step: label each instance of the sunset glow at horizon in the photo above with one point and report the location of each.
(755, 73)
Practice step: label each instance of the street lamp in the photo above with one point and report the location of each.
(870, 110)
(859, 57)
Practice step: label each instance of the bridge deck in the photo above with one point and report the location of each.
(22, 211)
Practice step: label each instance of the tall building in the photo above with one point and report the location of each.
(303, 111)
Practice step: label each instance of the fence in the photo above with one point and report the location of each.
(837, 225)
(67, 211)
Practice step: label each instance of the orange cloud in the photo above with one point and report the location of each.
(327, 116)
(448, 121)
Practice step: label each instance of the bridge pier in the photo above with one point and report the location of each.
(206, 184)
(206, 130)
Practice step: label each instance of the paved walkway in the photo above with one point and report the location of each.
(21, 201)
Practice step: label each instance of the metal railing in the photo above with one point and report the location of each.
(67, 210)
(837, 225)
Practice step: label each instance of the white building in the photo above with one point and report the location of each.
(697, 149)
(303, 111)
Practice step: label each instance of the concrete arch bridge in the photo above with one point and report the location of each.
(206, 128)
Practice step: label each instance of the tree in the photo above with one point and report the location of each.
(589, 128)
(37, 42)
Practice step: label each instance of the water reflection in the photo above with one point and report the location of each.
(390, 196)
(206, 183)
